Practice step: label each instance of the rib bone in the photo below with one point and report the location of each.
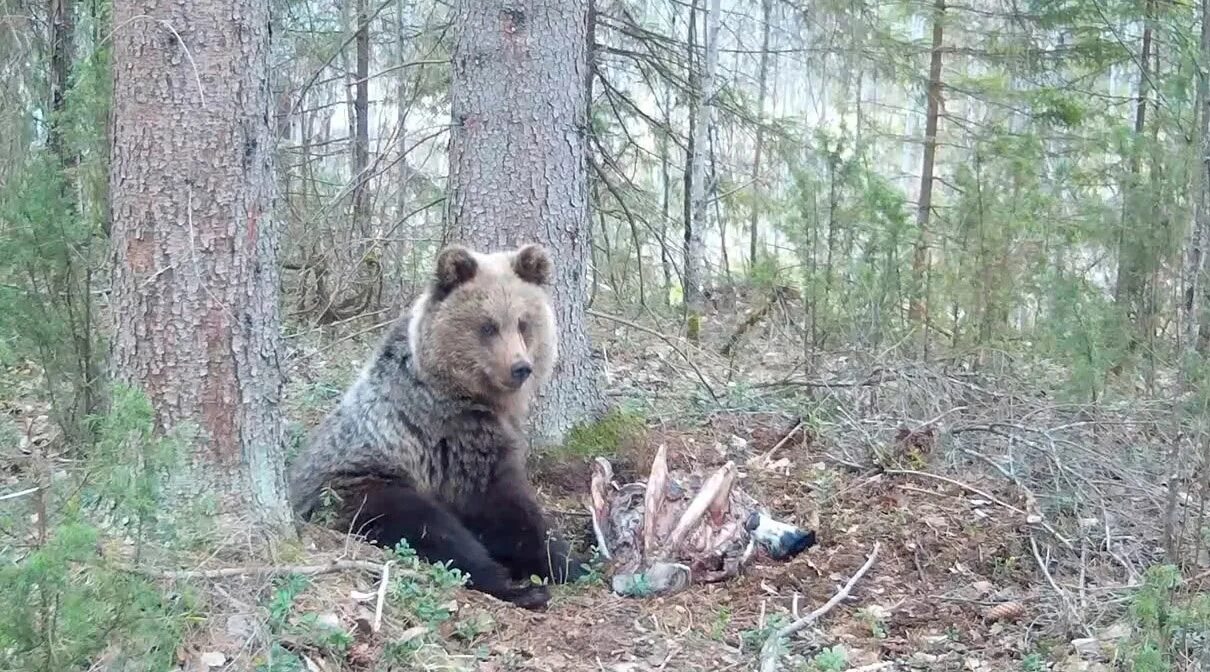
(718, 486)
(602, 475)
(657, 480)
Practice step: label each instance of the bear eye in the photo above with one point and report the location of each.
(488, 329)
(523, 327)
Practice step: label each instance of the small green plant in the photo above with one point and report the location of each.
(306, 629)
(329, 502)
(718, 627)
(832, 659)
(875, 621)
(70, 605)
(753, 639)
(1166, 623)
(1034, 662)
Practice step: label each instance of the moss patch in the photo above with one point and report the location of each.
(615, 431)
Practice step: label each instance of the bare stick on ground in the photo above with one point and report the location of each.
(769, 651)
(382, 594)
(989, 497)
(266, 570)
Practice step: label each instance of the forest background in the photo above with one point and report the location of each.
(933, 272)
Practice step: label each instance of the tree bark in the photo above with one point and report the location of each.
(361, 136)
(1129, 286)
(519, 170)
(918, 310)
(62, 54)
(195, 244)
(761, 91)
(1196, 301)
(696, 248)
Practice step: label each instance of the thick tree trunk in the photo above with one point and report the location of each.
(695, 253)
(761, 90)
(918, 310)
(195, 243)
(519, 171)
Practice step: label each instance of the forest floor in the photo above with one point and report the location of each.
(1016, 530)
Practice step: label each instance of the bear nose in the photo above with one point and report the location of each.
(521, 371)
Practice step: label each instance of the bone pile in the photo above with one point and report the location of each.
(679, 528)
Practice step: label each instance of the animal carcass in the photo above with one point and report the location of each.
(682, 528)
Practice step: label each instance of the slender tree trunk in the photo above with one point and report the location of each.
(361, 115)
(518, 166)
(690, 270)
(195, 243)
(666, 195)
(918, 311)
(1196, 299)
(1129, 288)
(77, 279)
(696, 252)
(766, 7)
(62, 54)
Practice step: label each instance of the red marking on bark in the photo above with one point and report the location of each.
(253, 220)
(140, 254)
(219, 400)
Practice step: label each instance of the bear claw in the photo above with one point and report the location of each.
(528, 597)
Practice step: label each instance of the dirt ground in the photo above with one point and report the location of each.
(1011, 527)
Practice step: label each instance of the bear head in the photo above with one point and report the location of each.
(485, 327)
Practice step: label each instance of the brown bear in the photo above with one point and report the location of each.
(427, 445)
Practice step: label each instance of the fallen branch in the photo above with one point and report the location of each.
(19, 493)
(751, 321)
(262, 570)
(989, 497)
(768, 651)
(668, 341)
(1067, 606)
(766, 459)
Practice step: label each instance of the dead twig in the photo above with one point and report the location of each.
(19, 493)
(1067, 606)
(261, 570)
(668, 341)
(989, 497)
(769, 650)
(382, 593)
(767, 458)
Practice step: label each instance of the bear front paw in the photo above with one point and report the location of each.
(532, 596)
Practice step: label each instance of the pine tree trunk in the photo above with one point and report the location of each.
(62, 54)
(761, 90)
(519, 171)
(361, 135)
(195, 243)
(1130, 285)
(918, 311)
(1196, 300)
(695, 253)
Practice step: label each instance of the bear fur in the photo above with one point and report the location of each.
(428, 444)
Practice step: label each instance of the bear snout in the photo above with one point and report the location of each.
(521, 372)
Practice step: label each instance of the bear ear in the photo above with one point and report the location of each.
(455, 265)
(532, 264)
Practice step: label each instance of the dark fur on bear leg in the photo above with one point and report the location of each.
(511, 526)
(394, 511)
